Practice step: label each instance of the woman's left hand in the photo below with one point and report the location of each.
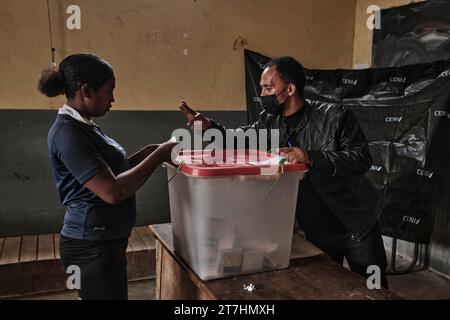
(152, 147)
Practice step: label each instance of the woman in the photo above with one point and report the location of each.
(95, 179)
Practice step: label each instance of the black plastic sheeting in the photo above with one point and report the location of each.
(414, 33)
(405, 114)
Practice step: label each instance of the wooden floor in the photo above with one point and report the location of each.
(31, 263)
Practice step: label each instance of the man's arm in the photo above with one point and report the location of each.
(257, 125)
(193, 116)
(353, 157)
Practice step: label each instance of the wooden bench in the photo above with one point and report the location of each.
(31, 264)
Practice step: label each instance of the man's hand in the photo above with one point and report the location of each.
(192, 116)
(295, 155)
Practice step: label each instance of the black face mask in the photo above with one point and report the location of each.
(269, 103)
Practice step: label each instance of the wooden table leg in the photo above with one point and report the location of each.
(158, 270)
(174, 281)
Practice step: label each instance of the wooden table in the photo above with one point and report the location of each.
(311, 275)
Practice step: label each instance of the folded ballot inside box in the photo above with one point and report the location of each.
(234, 216)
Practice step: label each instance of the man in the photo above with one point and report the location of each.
(336, 206)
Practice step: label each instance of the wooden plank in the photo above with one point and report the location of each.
(310, 278)
(31, 278)
(56, 238)
(146, 236)
(11, 250)
(144, 264)
(129, 247)
(28, 251)
(158, 271)
(176, 282)
(163, 232)
(45, 247)
(136, 242)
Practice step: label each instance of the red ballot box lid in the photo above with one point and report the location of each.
(215, 163)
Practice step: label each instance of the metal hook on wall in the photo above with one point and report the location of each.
(239, 40)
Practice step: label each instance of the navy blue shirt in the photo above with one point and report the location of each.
(77, 152)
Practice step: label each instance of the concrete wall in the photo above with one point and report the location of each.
(164, 50)
(29, 202)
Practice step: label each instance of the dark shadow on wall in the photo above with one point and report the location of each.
(29, 203)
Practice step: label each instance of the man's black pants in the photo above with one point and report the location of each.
(360, 254)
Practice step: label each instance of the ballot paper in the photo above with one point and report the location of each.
(272, 161)
(230, 260)
(270, 249)
(252, 260)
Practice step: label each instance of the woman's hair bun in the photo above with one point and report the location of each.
(51, 82)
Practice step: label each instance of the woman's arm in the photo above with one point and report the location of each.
(114, 189)
(140, 155)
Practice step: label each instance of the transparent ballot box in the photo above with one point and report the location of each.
(233, 211)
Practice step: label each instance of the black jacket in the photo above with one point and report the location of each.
(335, 197)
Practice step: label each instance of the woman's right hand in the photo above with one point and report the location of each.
(165, 150)
(113, 188)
